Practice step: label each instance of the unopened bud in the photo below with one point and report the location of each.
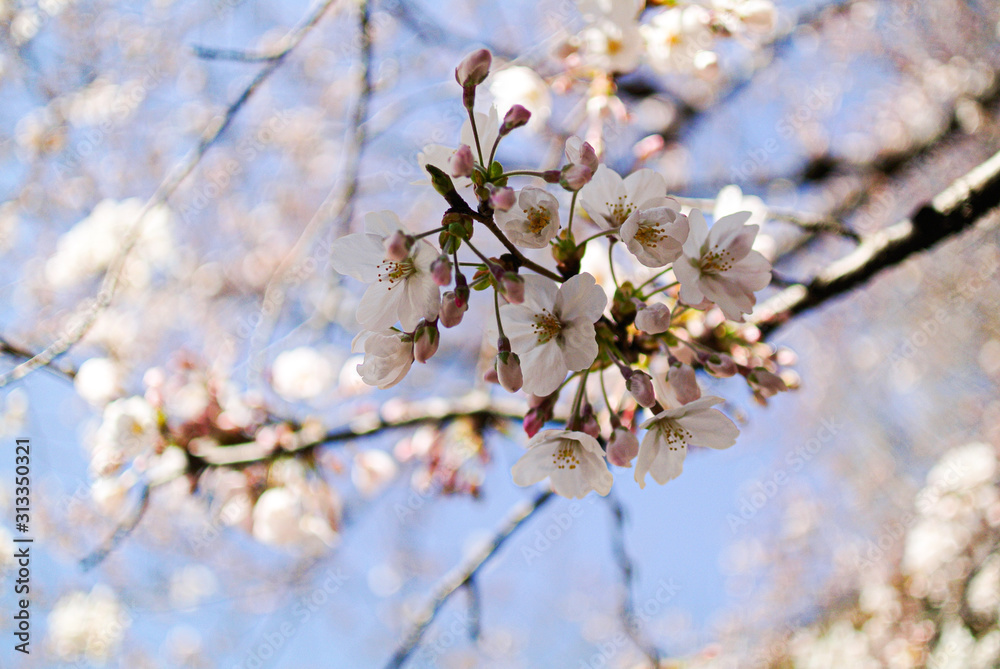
(425, 341)
(451, 312)
(721, 365)
(575, 177)
(508, 367)
(682, 379)
(397, 246)
(490, 375)
(515, 118)
(653, 318)
(513, 288)
(765, 382)
(579, 152)
(640, 386)
(622, 447)
(533, 422)
(590, 426)
(474, 68)
(503, 198)
(441, 271)
(461, 162)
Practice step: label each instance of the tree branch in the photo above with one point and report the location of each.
(463, 574)
(93, 308)
(955, 209)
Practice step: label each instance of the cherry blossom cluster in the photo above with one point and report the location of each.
(677, 313)
(678, 37)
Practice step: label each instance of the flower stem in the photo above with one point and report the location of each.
(496, 308)
(572, 210)
(604, 233)
(574, 412)
(475, 133)
(523, 173)
(661, 289)
(516, 252)
(429, 233)
(653, 278)
(611, 263)
(493, 151)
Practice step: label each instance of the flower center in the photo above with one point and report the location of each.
(546, 326)
(393, 272)
(538, 218)
(565, 456)
(716, 261)
(619, 211)
(675, 435)
(649, 235)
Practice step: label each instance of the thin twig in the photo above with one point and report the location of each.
(237, 55)
(120, 534)
(462, 574)
(337, 207)
(627, 607)
(89, 311)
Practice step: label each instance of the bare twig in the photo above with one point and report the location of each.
(955, 209)
(237, 55)
(89, 311)
(120, 534)
(337, 206)
(462, 574)
(624, 561)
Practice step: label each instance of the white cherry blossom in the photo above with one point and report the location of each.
(388, 357)
(719, 264)
(675, 37)
(520, 85)
(572, 461)
(533, 221)
(403, 290)
(655, 236)
(552, 331)
(609, 200)
(301, 373)
(669, 432)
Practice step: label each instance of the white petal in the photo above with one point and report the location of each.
(357, 256)
(382, 223)
(544, 368)
(581, 298)
(579, 344)
(379, 306)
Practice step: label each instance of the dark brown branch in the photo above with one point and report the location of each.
(957, 208)
(463, 574)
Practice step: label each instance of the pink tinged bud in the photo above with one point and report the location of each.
(765, 382)
(622, 447)
(533, 422)
(397, 246)
(474, 68)
(509, 371)
(575, 177)
(490, 375)
(441, 271)
(682, 379)
(502, 199)
(588, 157)
(461, 162)
(515, 118)
(640, 386)
(451, 313)
(513, 288)
(653, 318)
(591, 426)
(721, 365)
(425, 342)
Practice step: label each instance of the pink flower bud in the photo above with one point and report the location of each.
(451, 313)
(441, 271)
(591, 426)
(533, 422)
(682, 379)
(575, 177)
(515, 118)
(397, 246)
(579, 152)
(640, 385)
(622, 447)
(721, 365)
(461, 162)
(502, 199)
(513, 288)
(653, 318)
(425, 342)
(765, 382)
(490, 375)
(474, 68)
(508, 367)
